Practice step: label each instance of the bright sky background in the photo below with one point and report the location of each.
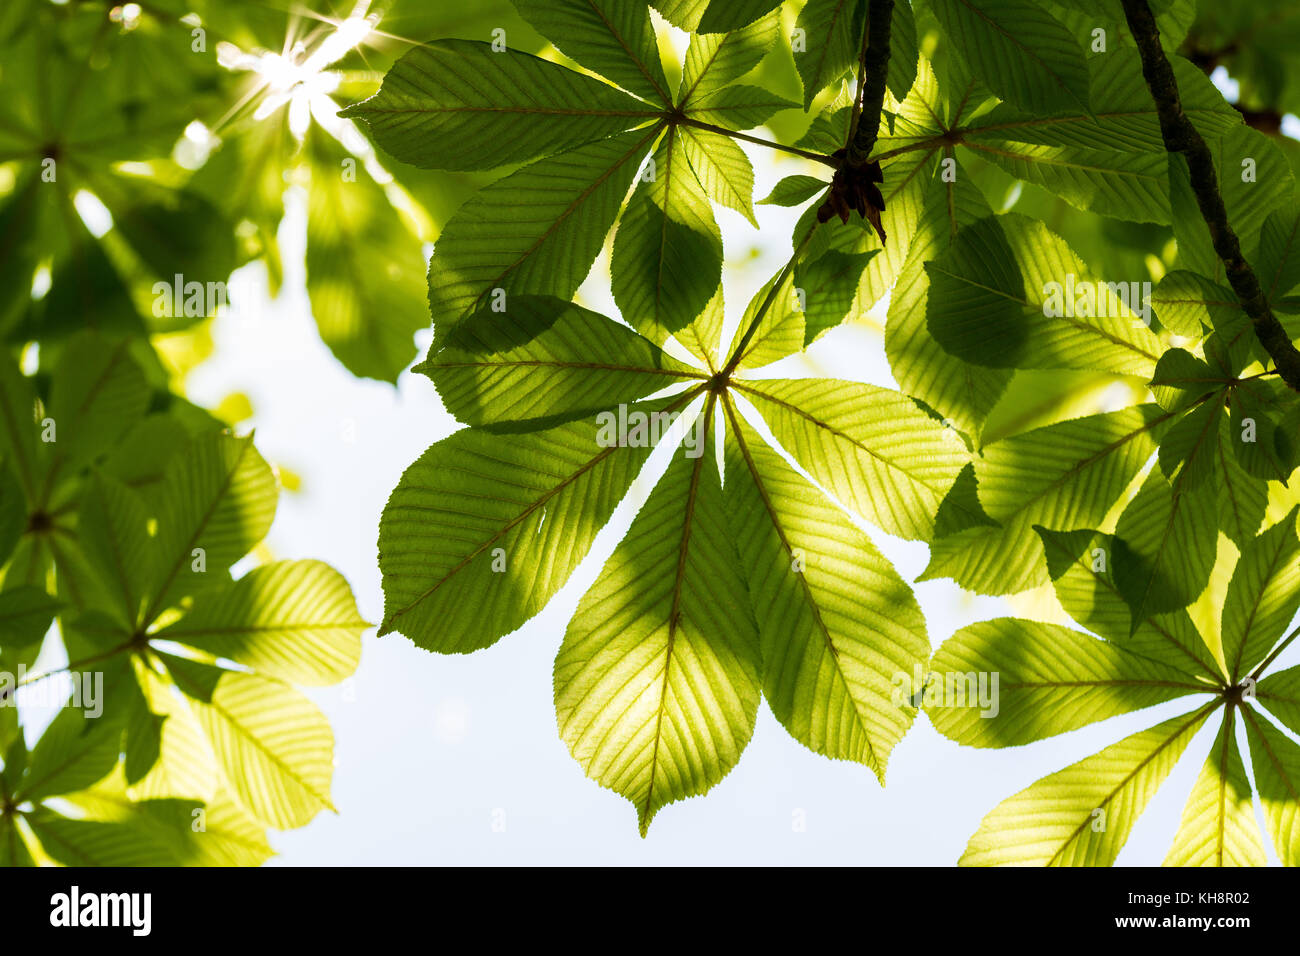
(457, 760)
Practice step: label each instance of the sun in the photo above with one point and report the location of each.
(299, 75)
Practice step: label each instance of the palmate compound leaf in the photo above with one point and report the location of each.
(255, 735)
(658, 678)
(140, 564)
(1051, 680)
(538, 229)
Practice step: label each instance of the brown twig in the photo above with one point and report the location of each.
(1180, 136)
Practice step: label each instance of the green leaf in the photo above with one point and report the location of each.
(1008, 682)
(1279, 253)
(295, 620)
(794, 191)
(609, 37)
(114, 533)
(1255, 180)
(723, 169)
(723, 15)
(274, 745)
(1263, 443)
(1120, 113)
(1062, 477)
(26, 614)
(780, 331)
(216, 832)
(458, 104)
(872, 448)
(657, 681)
(961, 392)
(84, 843)
(1263, 596)
(1188, 303)
(1279, 692)
(167, 753)
(833, 40)
(217, 501)
(13, 848)
(1055, 822)
(683, 14)
(479, 533)
(667, 257)
(1181, 378)
(903, 51)
(1190, 446)
(1081, 565)
(543, 359)
(1218, 826)
(738, 106)
(1242, 498)
(1165, 547)
(97, 394)
(571, 200)
(18, 429)
(1275, 762)
(1023, 53)
(74, 751)
(837, 625)
(365, 271)
(1010, 294)
(1131, 186)
(828, 287)
(714, 61)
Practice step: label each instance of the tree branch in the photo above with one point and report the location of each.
(1181, 136)
(875, 72)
